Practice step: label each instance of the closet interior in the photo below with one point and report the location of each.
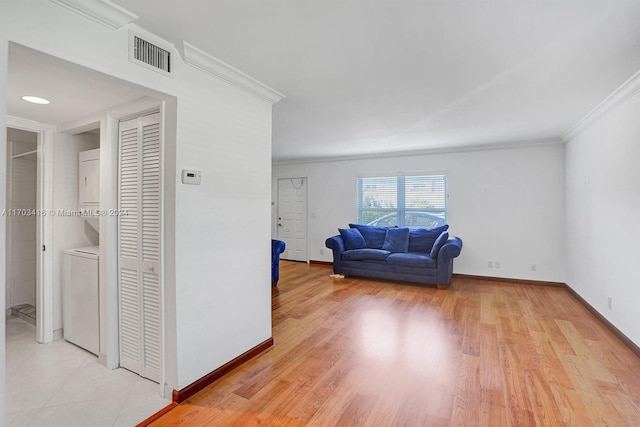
(22, 161)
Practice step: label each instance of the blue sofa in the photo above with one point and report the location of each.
(411, 255)
(277, 247)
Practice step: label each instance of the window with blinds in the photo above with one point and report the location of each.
(414, 201)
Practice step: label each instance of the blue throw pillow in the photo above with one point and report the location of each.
(440, 241)
(396, 240)
(422, 239)
(374, 236)
(352, 238)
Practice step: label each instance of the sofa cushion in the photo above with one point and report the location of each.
(396, 240)
(352, 238)
(422, 239)
(365, 255)
(440, 241)
(411, 259)
(374, 236)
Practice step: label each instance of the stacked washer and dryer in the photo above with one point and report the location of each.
(81, 266)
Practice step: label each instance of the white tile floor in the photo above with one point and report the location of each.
(59, 384)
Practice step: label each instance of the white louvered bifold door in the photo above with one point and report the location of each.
(139, 246)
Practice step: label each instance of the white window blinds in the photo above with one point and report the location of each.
(416, 201)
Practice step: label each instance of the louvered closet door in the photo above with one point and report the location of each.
(139, 246)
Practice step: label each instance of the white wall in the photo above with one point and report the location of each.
(222, 307)
(603, 207)
(68, 231)
(505, 204)
(223, 246)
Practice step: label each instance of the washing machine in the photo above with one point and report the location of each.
(81, 297)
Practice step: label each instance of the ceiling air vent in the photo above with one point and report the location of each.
(150, 55)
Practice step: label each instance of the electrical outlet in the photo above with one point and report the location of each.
(321, 251)
(497, 264)
(533, 267)
(490, 264)
(610, 303)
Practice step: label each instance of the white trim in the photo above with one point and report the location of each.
(109, 349)
(209, 64)
(627, 90)
(80, 126)
(426, 151)
(402, 173)
(30, 125)
(140, 107)
(8, 260)
(109, 146)
(163, 328)
(103, 12)
(94, 121)
(44, 232)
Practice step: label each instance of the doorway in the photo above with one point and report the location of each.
(28, 280)
(86, 103)
(22, 196)
(292, 217)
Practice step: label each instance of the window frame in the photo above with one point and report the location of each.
(401, 208)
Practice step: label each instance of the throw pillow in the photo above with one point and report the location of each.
(396, 240)
(374, 236)
(422, 239)
(352, 238)
(440, 241)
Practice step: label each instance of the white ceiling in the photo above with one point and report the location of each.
(75, 92)
(374, 76)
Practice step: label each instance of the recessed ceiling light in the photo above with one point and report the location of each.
(36, 100)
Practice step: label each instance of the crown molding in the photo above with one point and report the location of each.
(101, 11)
(627, 90)
(211, 65)
(425, 151)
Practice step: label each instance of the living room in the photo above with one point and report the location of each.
(532, 178)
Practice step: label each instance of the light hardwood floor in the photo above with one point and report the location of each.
(352, 352)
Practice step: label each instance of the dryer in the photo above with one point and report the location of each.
(81, 297)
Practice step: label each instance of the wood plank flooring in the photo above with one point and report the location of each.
(356, 352)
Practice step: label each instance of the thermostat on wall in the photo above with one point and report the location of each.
(192, 177)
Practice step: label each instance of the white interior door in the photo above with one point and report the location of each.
(139, 246)
(292, 217)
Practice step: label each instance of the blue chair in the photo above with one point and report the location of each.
(277, 247)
